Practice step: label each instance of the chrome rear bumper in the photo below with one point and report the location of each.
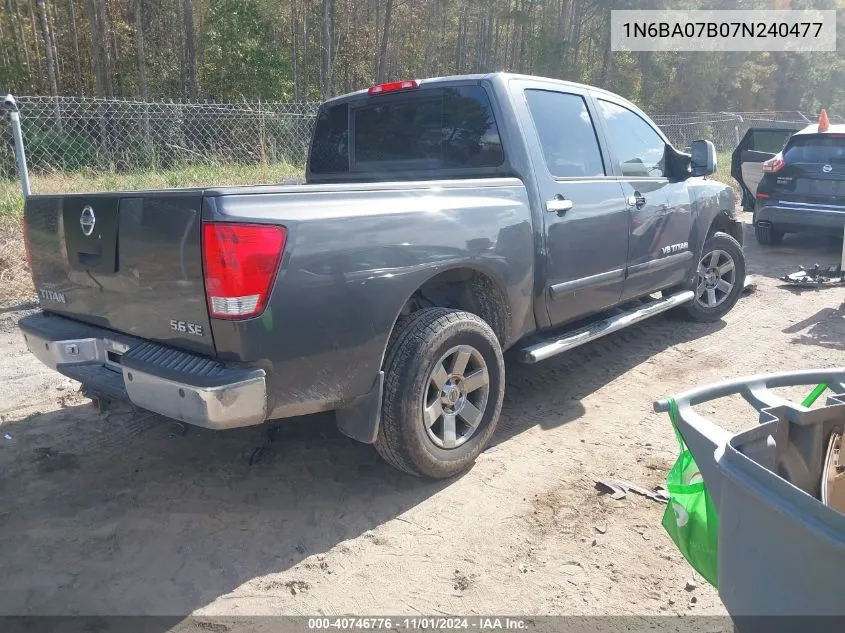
(179, 385)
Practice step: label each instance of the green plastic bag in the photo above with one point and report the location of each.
(690, 517)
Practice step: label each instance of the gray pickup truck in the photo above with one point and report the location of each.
(442, 222)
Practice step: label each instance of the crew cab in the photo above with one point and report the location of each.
(442, 222)
(793, 181)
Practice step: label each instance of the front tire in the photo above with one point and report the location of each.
(444, 385)
(720, 279)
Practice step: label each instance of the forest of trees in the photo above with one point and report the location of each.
(285, 50)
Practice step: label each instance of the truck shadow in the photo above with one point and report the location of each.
(826, 328)
(549, 394)
(116, 514)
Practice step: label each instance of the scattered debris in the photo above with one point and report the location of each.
(256, 454)
(214, 627)
(616, 492)
(619, 488)
(8, 437)
(816, 276)
(572, 568)
(693, 600)
(270, 437)
(691, 585)
(461, 582)
(297, 586)
(750, 284)
(601, 529)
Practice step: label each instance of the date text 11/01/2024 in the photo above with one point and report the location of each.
(419, 623)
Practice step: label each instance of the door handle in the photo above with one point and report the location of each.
(637, 200)
(558, 205)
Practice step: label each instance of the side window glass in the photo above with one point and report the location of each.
(566, 134)
(638, 148)
(768, 141)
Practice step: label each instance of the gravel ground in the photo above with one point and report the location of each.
(116, 513)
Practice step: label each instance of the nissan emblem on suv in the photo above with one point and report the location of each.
(87, 221)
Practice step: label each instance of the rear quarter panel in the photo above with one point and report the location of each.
(353, 258)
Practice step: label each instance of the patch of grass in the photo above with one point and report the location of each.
(186, 176)
(15, 278)
(723, 172)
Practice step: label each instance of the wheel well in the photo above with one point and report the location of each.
(464, 289)
(723, 222)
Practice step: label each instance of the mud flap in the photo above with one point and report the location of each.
(360, 420)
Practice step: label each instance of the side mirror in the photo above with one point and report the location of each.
(702, 158)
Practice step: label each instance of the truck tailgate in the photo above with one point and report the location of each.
(129, 262)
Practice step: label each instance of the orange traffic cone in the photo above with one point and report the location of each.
(824, 123)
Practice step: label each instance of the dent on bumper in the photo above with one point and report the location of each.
(227, 400)
(223, 407)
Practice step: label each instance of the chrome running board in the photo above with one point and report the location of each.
(552, 347)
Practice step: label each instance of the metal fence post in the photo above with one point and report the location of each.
(11, 106)
(842, 260)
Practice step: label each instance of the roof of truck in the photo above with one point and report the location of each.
(483, 76)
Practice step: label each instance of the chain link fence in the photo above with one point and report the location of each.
(73, 135)
(726, 129)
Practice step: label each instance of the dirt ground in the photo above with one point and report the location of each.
(116, 513)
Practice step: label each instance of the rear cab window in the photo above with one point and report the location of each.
(566, 133)
(815, 148)
(428, 131)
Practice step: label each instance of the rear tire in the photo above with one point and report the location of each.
(720, 279)
(767, 235)
(443, 392)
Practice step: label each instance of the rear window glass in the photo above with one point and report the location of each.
(330, 150)
(815, 149)
(443, 128)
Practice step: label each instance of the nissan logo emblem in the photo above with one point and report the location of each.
(827, 169)
(87, 221)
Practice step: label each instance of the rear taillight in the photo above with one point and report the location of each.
(240, 262)
(26, 245)
(776, 163)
